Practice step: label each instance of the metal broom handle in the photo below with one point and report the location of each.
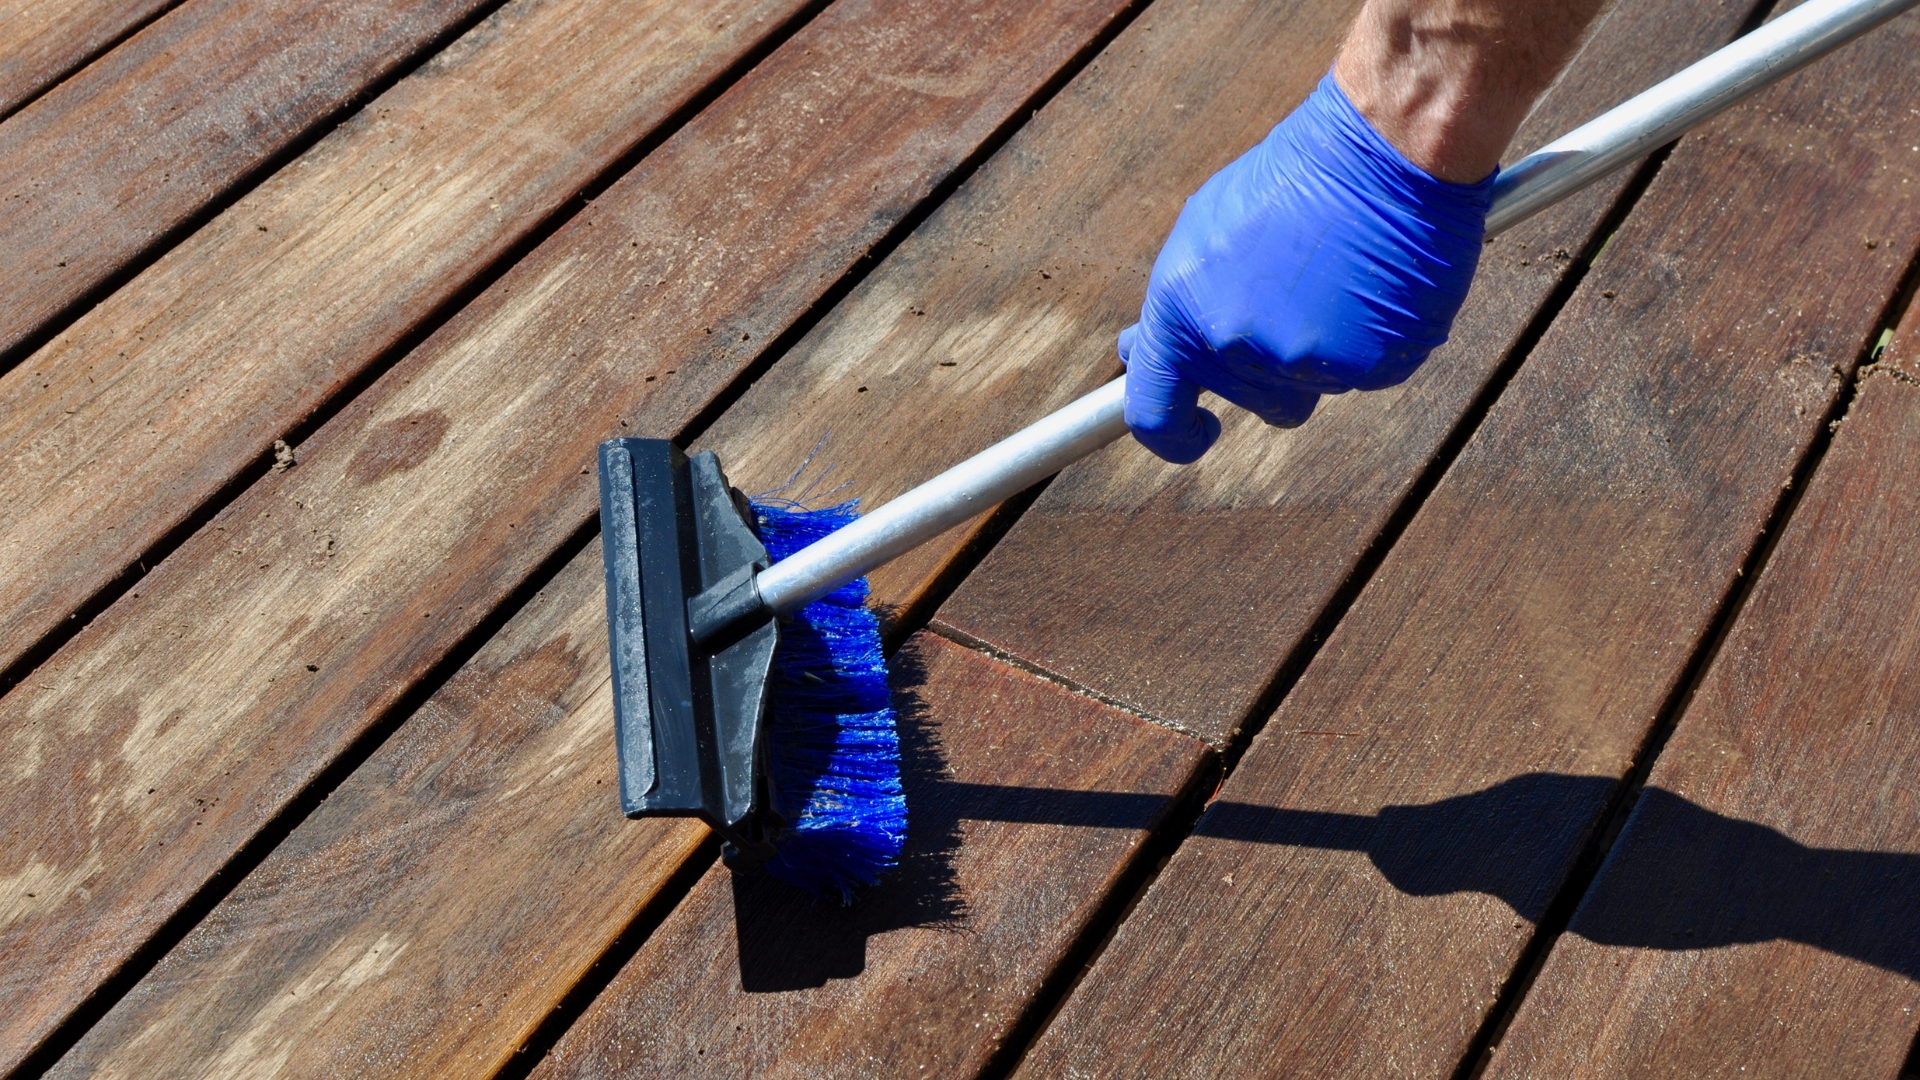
(1545, 177)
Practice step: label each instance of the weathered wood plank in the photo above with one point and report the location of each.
(163, 736)
(1755, 917)
(1218, 571)
(45, 39)
(127, 423)
(439, 903)
(1027, 803)
(105, 164)
(1379, 855)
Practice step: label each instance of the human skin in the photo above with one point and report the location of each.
(1448, 82)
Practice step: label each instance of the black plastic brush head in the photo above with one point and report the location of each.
(681, 550)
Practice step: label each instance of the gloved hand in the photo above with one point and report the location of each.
(1321, 261)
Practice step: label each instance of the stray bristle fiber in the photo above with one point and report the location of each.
(832, 745)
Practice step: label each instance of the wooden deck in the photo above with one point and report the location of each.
(1548, 716)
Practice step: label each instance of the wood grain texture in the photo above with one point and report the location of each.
(1027, 802)
(122, 427)
(42, 40)
(164, 735)
(1381, 852)
(1005, 304)
(1755, 917)
(1208, 576)
(105, 164)
(439, 903)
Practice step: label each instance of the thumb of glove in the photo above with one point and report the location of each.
(1162, 408)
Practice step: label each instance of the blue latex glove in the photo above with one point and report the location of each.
(1320, 262)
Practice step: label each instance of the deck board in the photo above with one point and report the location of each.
(204, 700)
(1219, 571)
(119, 431)
(1756, 916)
(1382, 852)
(109, 163)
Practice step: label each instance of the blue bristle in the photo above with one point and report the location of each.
(832, 744)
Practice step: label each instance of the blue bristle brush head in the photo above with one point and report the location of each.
(833, 747)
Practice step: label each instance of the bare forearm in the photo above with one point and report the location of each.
(1447, 82)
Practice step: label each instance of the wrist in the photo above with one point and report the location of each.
(1448, 82)
(1430, 110)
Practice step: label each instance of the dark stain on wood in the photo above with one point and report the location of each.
(398, 445)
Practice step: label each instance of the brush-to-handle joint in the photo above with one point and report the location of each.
(727, 612)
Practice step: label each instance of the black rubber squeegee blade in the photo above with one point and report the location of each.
(687, 716)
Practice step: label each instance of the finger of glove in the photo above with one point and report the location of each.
(1163, 410)
(1128, 338)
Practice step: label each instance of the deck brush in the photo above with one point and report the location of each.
(779, 733)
